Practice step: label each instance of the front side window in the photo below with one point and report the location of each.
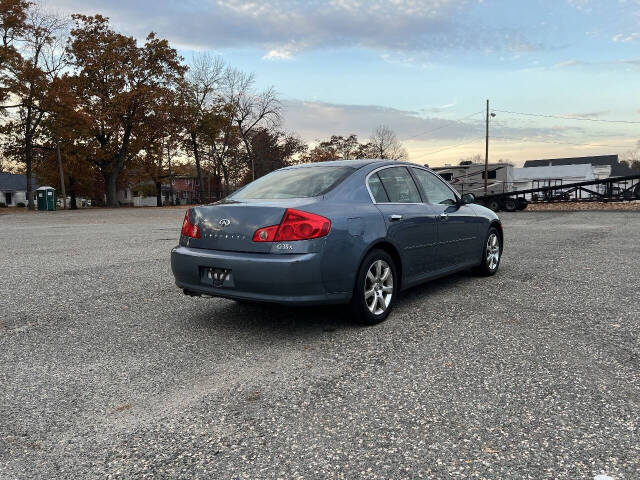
(301, 182)
(434, 188)
(398, 185)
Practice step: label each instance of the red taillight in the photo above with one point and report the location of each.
(266, 234)
(295, 225)
(188, 228)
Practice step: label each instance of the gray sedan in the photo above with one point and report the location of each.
(353, 232)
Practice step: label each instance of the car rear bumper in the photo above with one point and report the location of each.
(291, 279)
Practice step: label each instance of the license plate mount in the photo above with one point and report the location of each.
(217, 277)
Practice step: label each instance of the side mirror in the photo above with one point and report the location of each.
(468, 198)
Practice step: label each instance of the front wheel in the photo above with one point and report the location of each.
(375, 290)
(491, 253)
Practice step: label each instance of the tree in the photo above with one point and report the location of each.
(632, 157)
(13, 26)
(200, 92)
(251, 110)
(339, 148)
(118, 85)
(27, 75)
(273, 149)
(223, 140)
(385, 144)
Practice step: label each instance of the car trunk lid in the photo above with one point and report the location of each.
(229, 225)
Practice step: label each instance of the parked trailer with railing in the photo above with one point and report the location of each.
(612, 189)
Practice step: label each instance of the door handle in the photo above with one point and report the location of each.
(395, 218)
(444, 217)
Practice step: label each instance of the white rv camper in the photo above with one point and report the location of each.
(469, 177)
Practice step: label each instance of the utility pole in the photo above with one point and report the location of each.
(486, 152)
(61, 174)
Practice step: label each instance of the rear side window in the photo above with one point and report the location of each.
(294, 183)
(398, 185)
(377, 190)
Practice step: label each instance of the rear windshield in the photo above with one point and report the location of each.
(294, 183)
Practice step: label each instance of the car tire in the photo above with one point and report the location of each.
(510, 204)
(372, 300)
(491, 253)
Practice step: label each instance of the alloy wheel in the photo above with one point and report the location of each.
(378, 287)
(493, 251)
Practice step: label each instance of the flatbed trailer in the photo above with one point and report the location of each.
(612, 189)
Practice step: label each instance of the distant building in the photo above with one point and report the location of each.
(186, 189)
(604, 166)
(13, 188)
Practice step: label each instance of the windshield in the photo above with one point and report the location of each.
(294, 183)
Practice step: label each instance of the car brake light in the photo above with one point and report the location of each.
(188, 228)
(266, 234)
(295, 225)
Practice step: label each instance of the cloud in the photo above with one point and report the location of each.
(278, 54)
(587, 114)
(283, 28)
(622, 62)
(624, 38)
(319, 120)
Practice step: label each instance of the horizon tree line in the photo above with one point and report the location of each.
(84, 105)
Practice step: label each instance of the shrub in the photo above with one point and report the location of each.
(3, 205)
(20, 204)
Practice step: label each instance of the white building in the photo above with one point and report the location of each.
(13, 188)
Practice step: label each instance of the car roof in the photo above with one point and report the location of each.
(356, 163)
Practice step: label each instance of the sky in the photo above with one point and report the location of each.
(425, 68)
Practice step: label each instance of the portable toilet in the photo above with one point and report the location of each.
(46, 198)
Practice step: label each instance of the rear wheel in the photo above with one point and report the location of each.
(375, 290)
(491, 253)
(522, 203)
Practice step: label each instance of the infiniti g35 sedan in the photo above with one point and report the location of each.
(353, 232)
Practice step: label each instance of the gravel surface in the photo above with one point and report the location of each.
(108, 371)
(578, 206)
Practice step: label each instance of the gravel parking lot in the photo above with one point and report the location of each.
(107, 370)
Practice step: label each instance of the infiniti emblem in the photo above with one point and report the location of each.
(225, 222)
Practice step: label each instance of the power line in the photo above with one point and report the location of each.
(446, 148)
(568, 118)
(451, 122)
(561, 143)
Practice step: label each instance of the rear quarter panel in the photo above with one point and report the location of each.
(355, 225)
(353, 230)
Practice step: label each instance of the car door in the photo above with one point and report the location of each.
(458, 226)
(411, 224)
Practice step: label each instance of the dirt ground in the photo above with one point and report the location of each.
(574, 207)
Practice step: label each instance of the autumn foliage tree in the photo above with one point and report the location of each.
(339, 147)
(118, 84)
(273, 149)
(27, 73)
(91, 110)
